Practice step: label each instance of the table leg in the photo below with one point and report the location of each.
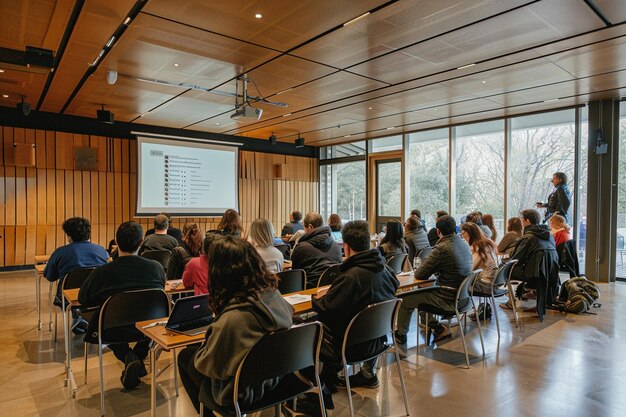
(153, 377)
(51, 296)
(38, 295)
(71, 383)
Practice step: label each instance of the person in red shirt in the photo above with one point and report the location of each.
(559, 229)
(196, 274)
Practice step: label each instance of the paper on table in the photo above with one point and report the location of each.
(405, 273)
(297, 299)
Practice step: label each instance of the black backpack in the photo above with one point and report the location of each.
(578, 295)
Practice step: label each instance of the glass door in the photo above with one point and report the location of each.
(388, 191)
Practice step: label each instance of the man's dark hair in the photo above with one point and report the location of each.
(441, 213)
(78, 228)
(128, 236)
(531, 216)
(562, 176)
(161, 222)
(169, 216)
(446, 225)
(297, 216)
(356, 234)
(416, 213)
(314, 219)
(475, 217)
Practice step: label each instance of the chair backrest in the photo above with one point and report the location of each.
(128, 307)
(161, 256)
(278, 354)
(396, 262)
(285, 249)
(329, 275)
(290, 281)
(502, 276)
(463, 302)
(423, 254)
(75, 278)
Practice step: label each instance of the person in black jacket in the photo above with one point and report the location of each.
(127, 272)
(451, 261)
(316, 250)
(171, 230)
(536, 254)
(560, 198)
(433, 236)
(364, 279)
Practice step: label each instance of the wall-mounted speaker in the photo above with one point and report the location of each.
(299, 143)
(23, 108)
(106, 116)
(24, 154)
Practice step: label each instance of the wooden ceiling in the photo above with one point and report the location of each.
(406, 66)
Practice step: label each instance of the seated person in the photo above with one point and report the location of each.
(171, 230)
(316, 250)
(247, 305)
(451, 261)
(364, 279)
(510, 238)
(197, 271)
(476, 217)
(294, 224)
(334, 222)
(262, 237)
(183, 253)
(159, 240)
(393, 243)
(418, 215)
(127, 272)
(415, 237)
(78, 253)
(433, 236)
(535, 241)
(559, 229)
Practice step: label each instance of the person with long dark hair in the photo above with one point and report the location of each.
(512, 235)
(488, 221)
(247, 306)
(230, 224)
(393, 243)
(183, 253)
(559, 200)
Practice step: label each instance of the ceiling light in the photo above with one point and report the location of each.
(356, 19)
(392, 127)
(484, 82)
(258, 15)
(176, 64)
(369, 108)
(217, 123)
(1, 70)
(434, 108)
(5, 95)
(346, 136)
(552, 100)
(287, 114)
(466, 66)
(127, 21)
(284, 91)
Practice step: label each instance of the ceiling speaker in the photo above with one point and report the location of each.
(299, 143)
(106, 116)
(23, 108)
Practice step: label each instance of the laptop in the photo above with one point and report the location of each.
(190, 316)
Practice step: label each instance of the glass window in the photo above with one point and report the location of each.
(342, 190)
(541, 145)
(428, 173)
(621, 196)
(480, 171)
(343, 150)
(389, 188)
(581, 216)
(392, 143)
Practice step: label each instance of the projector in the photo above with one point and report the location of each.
(247, 113)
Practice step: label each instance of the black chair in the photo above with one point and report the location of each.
(290, 281)
(285, 249)
(396, 262)
(423, 254)
(280, 354)
(462, 305)
(329, 275)
(373, 322)
(73, 279)
(501, 279)
(161, 256)
(124, 310)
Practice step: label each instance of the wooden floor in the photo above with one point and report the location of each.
(568, 366)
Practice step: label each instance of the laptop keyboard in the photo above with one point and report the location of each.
(192, 325)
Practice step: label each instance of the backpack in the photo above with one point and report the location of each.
(578, 295)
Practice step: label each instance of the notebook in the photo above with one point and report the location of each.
(190, 315)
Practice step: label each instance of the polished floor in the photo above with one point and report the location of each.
(568, 366)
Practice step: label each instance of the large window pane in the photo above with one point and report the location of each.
(621, 196)
(343, 150)
(342, 190)
(391, 143)
(480, 170)
(428, 173)
(541, 145)
(389, 188)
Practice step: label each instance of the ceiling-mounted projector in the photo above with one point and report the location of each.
(247, 113)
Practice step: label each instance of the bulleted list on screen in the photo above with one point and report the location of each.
(184, 184)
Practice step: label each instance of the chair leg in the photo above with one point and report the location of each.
(347, 379)
(513, 303)
(480, 329)
(55, 326)
(176, 374)
(277, 410)
(464, 344)
(50, 307)
(495, 313)
(404, 396)
(86, 351)
(201, 410)
(101, 380)
(426, 332)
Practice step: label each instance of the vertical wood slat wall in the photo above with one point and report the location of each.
(35, 201)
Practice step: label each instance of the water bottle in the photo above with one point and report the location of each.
(416, 262)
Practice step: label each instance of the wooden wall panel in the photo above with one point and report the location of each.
(34, 202)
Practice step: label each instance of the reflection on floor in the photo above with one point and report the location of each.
(566, 366)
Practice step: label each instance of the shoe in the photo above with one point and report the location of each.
(507, 305)
(133, 371)
(309, 405)
(399, 337)
(359, 380)
(529, 295)
(440, 332)
(80, 326)
(484, 312)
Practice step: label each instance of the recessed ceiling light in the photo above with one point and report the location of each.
(287, 114)
(434, 108)
(369, 108)
(346, 136)
(484, 82)
(466, 66)
(176, 64)
(1, 70)
(392, 127)
(5, 95)
(258, 15)
(217, 123)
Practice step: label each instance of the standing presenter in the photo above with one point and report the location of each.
(560, 198)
